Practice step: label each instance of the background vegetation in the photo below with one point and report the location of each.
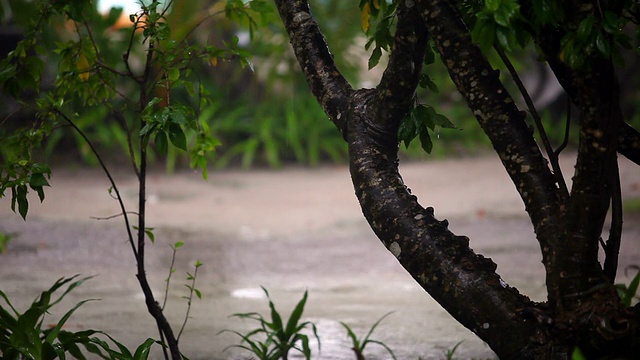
(258, 112)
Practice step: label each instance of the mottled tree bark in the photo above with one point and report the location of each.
(440, 261)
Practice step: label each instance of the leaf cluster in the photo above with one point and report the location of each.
(629, 292)
(377, 22)
(23, 336)
(596, 34)
(421, 120)
(498, 22)
(272, 339)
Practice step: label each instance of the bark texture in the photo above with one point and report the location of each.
(583, 308)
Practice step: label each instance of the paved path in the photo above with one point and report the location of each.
(287, 230)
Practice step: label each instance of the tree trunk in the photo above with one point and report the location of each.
(583, 312)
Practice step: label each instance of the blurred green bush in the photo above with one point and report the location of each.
(257, 112)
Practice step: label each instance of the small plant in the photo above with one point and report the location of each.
(22, 335)
(360, 344)
(628, 292)
(278, 338)
(451, 352)
(4, 241)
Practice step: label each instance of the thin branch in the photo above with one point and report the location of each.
(112, 216)
(612, 249)
(405, 62)
(107, 172)
(189, 299)
(629, 142)
(501, 120)
(171, 271)
(127, 54)
(329, 87)
(567, 130)
(553, 156)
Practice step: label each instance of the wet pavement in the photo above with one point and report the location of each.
(290, 230)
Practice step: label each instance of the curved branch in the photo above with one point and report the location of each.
(402, 74)
(329, 87)
(441, 262)
(500, 119)
(551, 154)
(629, 142)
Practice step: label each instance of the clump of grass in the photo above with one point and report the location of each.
(358, 345)
(272, 339)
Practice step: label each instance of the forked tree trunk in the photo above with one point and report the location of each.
(583, 308)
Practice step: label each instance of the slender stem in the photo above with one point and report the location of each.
(171, 270)
(189, 299)
(567, 129)
(107, 172)
(612, 249)
(553, 156)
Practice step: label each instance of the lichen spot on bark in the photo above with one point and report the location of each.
(395, 249)
(300, 18)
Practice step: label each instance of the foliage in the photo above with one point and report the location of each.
(5, 238)
(134, 77)
(272, 339)
(579, 43)
(271, 133)
(449, 355)
(22, 335)
(360, 344)
(629, 292)
(212, 78)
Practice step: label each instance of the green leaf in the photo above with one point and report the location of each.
(483, 34)
(585, 28)
(296, 315)
(23, 203)
(375, 57)
(149, 232)
(173, 74)
(430, 55)
(443, 122)
(161, 142)
(425, 115)
(427, 83)
(603, 44)
(37, 180)
(177, 136)
(425, 141)
(610, 22)
(142, 352)
(407, 130)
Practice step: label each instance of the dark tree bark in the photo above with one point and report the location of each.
(583, 307)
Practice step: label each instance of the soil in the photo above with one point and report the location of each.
(290, 231)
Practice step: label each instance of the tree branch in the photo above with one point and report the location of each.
(329, 87)
(500, 119)
(441, 262)
(629, 142)
(401, 77)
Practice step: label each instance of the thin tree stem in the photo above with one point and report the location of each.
(108, 173)
(553, 156)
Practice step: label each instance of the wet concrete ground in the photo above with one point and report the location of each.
(289, 231)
